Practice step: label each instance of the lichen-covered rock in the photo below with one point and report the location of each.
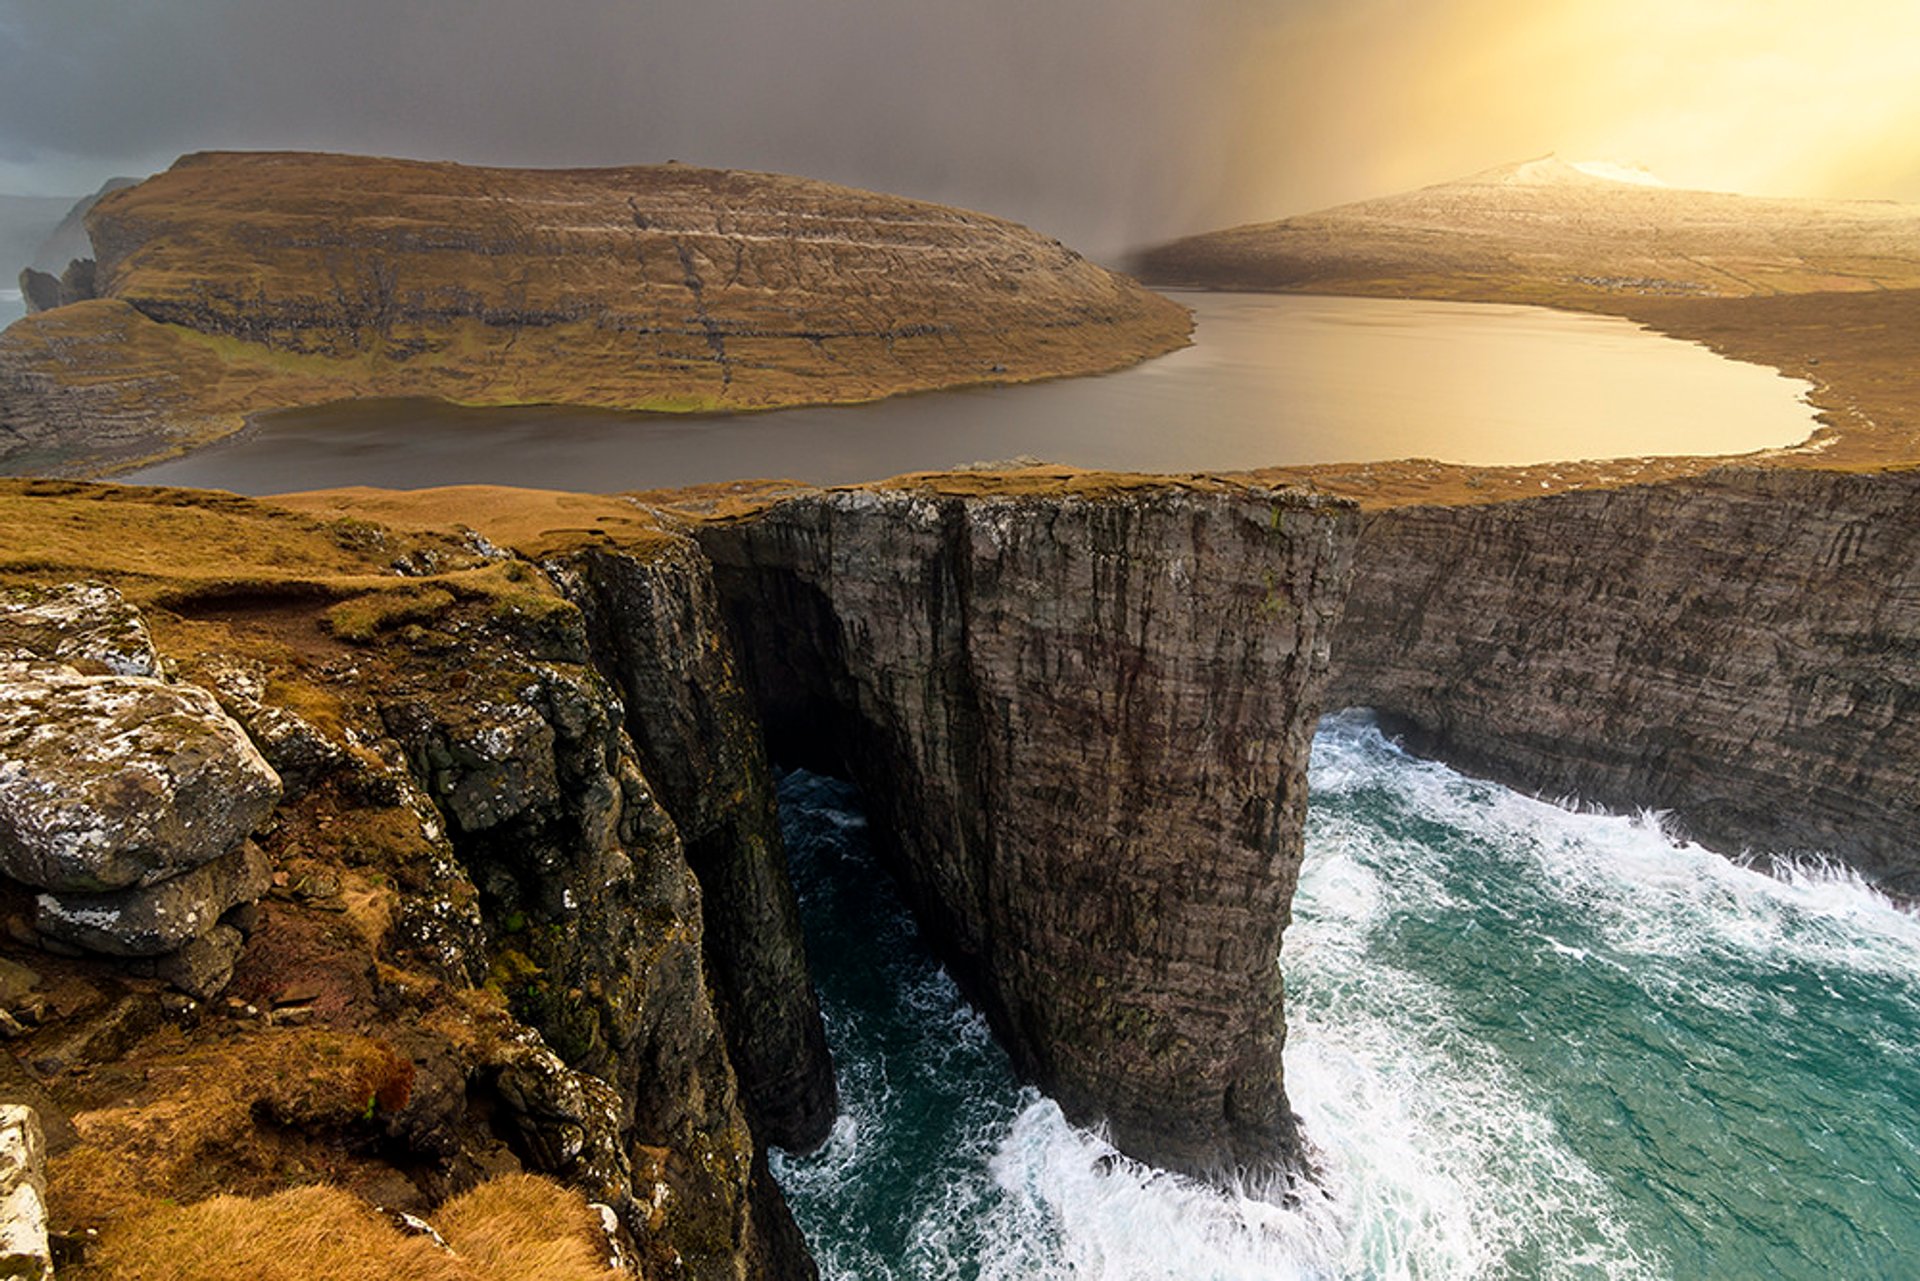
(567, 1123)
(298, 751)
(154, 919)
(115, 781)
(85, 625)
(24, 1251)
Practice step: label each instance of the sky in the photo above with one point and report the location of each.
(1108, 123)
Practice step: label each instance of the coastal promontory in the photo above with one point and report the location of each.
(236, 283)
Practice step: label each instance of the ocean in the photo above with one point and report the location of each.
(1524, 1041)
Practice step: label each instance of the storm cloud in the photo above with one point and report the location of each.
(1104, 122)
(1107, 123)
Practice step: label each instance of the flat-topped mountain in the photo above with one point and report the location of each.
(1551, 231)
(241, 282)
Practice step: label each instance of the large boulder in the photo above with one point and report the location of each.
(114, 781)
(87, 626)
(155, 919)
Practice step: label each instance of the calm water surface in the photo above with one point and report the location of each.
(1527, 1043)
(1269, 380)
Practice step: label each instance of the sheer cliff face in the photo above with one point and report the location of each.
(237, 283)
(658, 632)
(1738, 649)
(1082, 723)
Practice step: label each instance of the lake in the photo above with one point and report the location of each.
(1269, 380)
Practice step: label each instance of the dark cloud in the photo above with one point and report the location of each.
(1105, 122)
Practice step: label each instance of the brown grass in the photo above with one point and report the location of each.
(521, 1225)
(198, 1130)
(516, 1228)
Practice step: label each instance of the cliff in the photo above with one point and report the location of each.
(1080, 710)
(240, 282)
(1547, 231)
(1736, 649)
(510, 897)
(1725, 642)
(479, 944)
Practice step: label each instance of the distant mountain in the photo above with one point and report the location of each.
(68, 240)
(25, 224)
(236, 283)
(1548, 230)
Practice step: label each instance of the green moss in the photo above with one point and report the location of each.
(363, 618)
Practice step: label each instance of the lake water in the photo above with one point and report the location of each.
(1528, 1044)
(1270, 380)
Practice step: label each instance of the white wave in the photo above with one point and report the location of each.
(1646, 893)
(11, 295)
(1100, 1215)
(1439, 1159)
(1441, 1163)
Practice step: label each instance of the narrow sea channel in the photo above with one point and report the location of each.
(1528, 1043)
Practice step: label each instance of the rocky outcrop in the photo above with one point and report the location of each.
(240, 283)
(127, 801)
(24, 1249)
(39, 290)
(658, 631)
(597, 929)
(109, 782)
(43, 291)
(1737, 649)
(1080, 712)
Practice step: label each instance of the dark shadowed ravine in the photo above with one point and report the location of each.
(1270, 380)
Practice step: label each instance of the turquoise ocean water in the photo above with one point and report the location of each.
(1526, 1042)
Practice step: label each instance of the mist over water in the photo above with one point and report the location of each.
(1526, 1042)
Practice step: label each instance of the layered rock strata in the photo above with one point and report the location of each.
(1737, 649)
(1081, 720)
(658, 632)
(238, 283)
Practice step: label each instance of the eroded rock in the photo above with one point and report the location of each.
(155, 919)
(115, 781)
(86, 625)
(24, 1249)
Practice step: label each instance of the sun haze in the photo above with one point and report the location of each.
(1773, 97)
